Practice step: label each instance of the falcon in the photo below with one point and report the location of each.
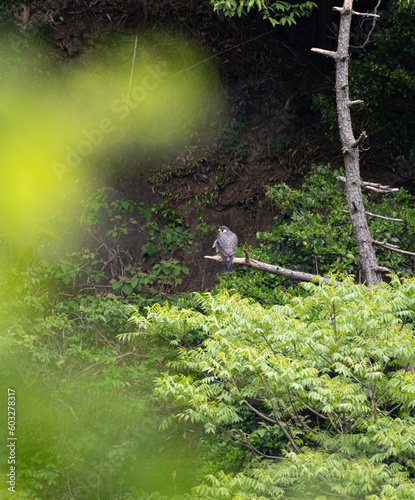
(226, 244)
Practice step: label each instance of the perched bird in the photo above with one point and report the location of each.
(226, 244)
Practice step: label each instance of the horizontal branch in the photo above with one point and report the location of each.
(278, 271)
(378, 188)
(382, 269)
(327, 53)
(347, 7)
(379, 216)
(391, 247)
(365, 14)
(352, 103)
(383, 217)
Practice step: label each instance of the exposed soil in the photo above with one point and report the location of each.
(270, 78)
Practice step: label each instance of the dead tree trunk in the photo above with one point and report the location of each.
(370, 266)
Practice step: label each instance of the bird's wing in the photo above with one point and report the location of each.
(228, 243)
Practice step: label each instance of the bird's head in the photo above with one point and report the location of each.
(223, 229)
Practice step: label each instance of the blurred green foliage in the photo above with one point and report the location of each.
(87, 420)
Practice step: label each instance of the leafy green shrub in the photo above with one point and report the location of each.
(328, 380)
(278, 12)
(75, 268)
(313, 231)
(116, 268)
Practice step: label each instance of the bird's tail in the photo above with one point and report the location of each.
(227, 263)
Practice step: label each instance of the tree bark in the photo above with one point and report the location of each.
(370, 266)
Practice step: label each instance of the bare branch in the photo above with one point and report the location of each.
(327, 53)
(378, 188)
(359, 141)
(352, 103)
(373, 26)
(391, 247)
(379, 216)
(347, 7)
(279, 271)
(382, 269)
(365, 14)
(391, 190)
(383, 217)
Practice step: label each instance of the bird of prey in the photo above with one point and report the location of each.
(226, 244)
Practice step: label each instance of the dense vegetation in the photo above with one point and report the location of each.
(261, 388)
(324, 375)
(320, 390)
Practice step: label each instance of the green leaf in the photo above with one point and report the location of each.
(66, 279)
(116, 285)
(127, 288)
